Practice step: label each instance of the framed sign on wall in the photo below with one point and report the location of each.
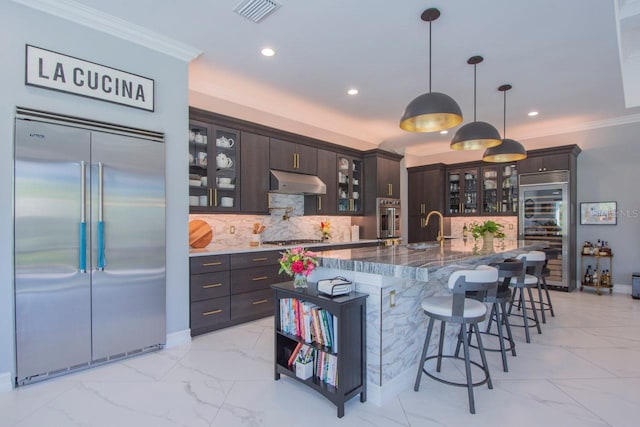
(598, 213)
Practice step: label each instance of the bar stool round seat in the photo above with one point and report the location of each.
(456, 308)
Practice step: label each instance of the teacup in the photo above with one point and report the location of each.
(226, 202)
(225, 142)
(224, 180)
(223, 161)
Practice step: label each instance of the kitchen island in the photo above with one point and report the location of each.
(398, 278)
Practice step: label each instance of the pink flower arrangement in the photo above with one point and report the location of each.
(298, 261)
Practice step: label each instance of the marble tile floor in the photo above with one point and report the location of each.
(584, 370)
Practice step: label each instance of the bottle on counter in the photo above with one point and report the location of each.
(465, 231)
(587, 275)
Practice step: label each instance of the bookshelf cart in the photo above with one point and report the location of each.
(350, 311)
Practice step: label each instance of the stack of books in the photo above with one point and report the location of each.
(309, 322)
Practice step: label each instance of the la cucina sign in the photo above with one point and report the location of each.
(52, 70)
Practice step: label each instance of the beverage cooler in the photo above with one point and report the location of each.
(544, 213)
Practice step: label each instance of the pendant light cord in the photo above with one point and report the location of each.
(429, 56)
(474, 92)
(504, 117)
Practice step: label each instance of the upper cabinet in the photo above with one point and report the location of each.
(292, 157)
(499, 188)
(462, 190)
(214, 165)
(254, 195)
(350, 185)
(550, 159)
(324, 204)
(383, 174)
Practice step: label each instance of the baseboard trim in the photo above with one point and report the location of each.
(5, 382)
(622, 289)
(175, 339)
(379, 395)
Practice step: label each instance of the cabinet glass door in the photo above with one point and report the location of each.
(453, 198)
(199, 134)
(509, 196)
(349, 185)
(223, 170)
(490, 203)
(469, 197)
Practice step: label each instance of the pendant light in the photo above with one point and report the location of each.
(510, 150)
(432, 111)
(475, 135)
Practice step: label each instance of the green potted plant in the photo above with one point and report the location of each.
(487, 230)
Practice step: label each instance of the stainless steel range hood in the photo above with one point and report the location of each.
(296, 183)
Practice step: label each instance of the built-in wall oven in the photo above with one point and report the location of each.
(388, 218)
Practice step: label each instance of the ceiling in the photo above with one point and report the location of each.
(561, 57)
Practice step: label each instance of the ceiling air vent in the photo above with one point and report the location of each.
(256, 10)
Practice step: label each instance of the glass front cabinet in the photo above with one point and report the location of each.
(213, 168)
(499, 185)
(350, 185)
(462, 191)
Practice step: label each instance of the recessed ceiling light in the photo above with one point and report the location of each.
(352, 91)
(532, 113)
(444, 132)
(267, 51)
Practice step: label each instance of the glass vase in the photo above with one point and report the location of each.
(299, 281)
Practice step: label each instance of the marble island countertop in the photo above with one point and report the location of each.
(219, 248)
(414, 261)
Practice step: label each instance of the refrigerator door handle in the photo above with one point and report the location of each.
(101, 260)
(82, 262)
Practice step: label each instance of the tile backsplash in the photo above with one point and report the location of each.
(510, 224)
(296, 226)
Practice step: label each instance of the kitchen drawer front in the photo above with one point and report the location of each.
(209, 264)
(209, 285)
(252, 304)
(254, 279)
(255, 259)
(209, 312)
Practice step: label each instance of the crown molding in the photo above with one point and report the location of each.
(109, 24)
(580, 127)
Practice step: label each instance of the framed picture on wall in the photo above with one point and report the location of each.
(598, 213)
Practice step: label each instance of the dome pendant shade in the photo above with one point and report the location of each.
(474, 136)
(509, 151)
(431, 112)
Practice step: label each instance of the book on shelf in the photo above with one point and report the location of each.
(294, 354)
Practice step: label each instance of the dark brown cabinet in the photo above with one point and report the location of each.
(292, 157)
(254, 189)
(383, 174)
(350, 185)
(426, 193)
(226, 290)
(324, 204)
(542, 161)
(349, 355)
(462, 195)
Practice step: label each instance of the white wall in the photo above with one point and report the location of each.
(19, 26)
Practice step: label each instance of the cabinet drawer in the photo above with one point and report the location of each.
(252, 304)
(209, 312)
(209, 264)
(255, 259)
(253, 279)
(209, 285)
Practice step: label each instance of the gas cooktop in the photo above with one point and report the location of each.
(291, 242)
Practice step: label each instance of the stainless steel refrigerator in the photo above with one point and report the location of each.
(547, 213)
(89, 202)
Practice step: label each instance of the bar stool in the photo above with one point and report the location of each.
(551, 253)
(456, 308)
(534, 260)
(498, 312)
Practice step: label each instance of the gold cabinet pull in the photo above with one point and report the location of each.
(297, 161)
(212, 285)
(262, 301)
(209, 313)
(210, 196)
(255, 279)
(259, 259)
(211, 264)
(319, 203)
(215, 197)
(390, 190)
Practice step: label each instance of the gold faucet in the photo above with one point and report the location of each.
(440, 237)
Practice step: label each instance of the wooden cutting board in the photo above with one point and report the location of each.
(200, 233)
